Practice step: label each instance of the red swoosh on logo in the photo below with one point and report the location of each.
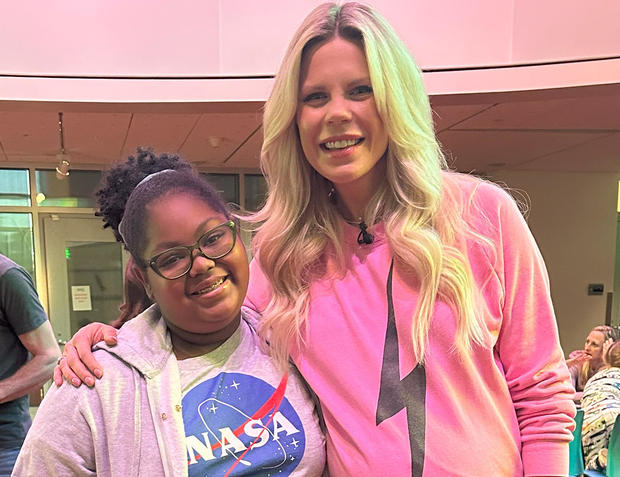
(271, 404)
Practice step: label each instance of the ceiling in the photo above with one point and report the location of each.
(571, 129)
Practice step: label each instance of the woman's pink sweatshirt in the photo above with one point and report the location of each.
(502, 410)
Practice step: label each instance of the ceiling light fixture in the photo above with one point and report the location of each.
(62, 169)
(215, 141)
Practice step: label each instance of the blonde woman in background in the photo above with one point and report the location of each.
(601, 406)
(583, 364)
(413, 300)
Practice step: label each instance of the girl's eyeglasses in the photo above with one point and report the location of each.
(177, 261)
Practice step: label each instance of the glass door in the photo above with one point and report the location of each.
(84, 273)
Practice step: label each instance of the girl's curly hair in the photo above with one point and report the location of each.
(118, 182)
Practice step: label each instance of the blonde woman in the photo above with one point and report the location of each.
(583, 364)
(413, 300)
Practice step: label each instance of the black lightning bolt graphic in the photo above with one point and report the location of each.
(408, 393)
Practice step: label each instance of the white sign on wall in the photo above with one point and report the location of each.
(80, 298)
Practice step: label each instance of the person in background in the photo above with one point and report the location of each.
(28, 353)
(583, 364)
(413, 300)
(601, 405)
(188, 389)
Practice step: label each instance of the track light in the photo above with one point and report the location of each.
(62, 169)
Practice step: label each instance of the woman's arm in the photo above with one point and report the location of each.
(77, 364)
(528, 343)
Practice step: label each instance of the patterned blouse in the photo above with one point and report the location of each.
(601, 405)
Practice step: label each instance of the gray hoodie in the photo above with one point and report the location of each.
(131, 422)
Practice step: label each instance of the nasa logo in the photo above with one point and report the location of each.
(238, 424)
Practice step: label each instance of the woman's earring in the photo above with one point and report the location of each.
(332, 195)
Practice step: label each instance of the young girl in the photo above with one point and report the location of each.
(188, 390)
(413, 300)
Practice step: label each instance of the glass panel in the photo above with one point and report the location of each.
(255, 191)
(14, 187)
(16, 239)
(227, 185)
(75, 190)
(94, 272)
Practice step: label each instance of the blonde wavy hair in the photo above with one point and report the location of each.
(421, 216)
(586, 371)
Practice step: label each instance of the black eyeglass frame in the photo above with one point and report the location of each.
(230, 224)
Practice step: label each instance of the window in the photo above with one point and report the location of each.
(227, 185)
(14, 187)
(16, 240)
(255, 191)
(75, 190)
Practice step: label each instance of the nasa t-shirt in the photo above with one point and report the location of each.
(243, 417)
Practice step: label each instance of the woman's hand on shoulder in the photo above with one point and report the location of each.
(77, 363)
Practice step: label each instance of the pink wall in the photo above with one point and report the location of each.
(215, 38)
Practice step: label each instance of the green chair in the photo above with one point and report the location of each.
(613, 455)
(575, 465)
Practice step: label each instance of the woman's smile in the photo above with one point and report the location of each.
(340, 130)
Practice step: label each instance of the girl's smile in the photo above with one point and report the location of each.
(205, 303)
